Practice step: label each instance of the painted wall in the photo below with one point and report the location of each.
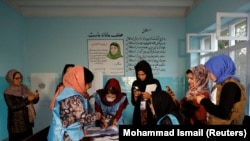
(11, 54)
(49, 43)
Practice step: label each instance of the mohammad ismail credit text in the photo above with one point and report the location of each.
(194, 133)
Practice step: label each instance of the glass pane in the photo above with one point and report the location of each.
(200, 43)
(241, 29)
(223, 43)
(240, 60)
(237, 26)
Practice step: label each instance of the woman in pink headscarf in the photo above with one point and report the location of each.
(70, 114)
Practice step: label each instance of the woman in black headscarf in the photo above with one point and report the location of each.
(144, 76)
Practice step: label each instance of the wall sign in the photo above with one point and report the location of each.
(106, 56)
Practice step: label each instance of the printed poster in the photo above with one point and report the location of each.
(106, 56)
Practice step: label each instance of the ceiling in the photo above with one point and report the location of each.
(90, 8)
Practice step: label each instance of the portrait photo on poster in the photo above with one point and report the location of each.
(106, 56)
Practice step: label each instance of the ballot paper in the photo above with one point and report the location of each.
(150, 88)
(98, 131)
(213, 96)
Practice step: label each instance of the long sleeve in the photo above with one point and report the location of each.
(121, 108)
(72, 109)
(230, 94)
(15, 103)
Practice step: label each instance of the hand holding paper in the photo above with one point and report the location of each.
(150, 88)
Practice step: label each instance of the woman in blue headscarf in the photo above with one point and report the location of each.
(226, 105)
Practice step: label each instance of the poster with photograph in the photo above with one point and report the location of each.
(106, 56)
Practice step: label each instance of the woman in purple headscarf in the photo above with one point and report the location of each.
(226, 105)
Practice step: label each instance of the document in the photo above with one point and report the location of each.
(98, 131)
(150, 88)
(213, 96)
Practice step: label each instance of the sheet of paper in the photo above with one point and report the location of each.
(150, 88)
(213, 96)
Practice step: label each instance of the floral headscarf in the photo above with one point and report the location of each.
(201, 80)
(222, 66)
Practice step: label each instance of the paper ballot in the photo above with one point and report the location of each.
(150, 88)
(213, 96)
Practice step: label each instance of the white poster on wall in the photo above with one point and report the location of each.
(46, 84)
(106, 56)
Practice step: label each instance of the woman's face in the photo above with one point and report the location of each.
(141, 75)
(110, 97)
(88, 85)
(211, 76)
(113, 49)
(190, 79)
(17, 80)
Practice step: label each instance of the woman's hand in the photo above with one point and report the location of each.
(199, 98)
(115, 122)
(146, 95)
(98, 115)
(104, 123)
(137, 92)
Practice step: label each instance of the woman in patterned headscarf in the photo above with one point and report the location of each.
(21, 112)
(226, 105)
(194, 113)
(70, 114)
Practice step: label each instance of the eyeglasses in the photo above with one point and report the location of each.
(18, 78)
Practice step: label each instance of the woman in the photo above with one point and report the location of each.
(114, 51)
(226, 105)
(194, 113)
(70, 114)
(111, 102)
(144, 77)
(66, 68)
(21, 112)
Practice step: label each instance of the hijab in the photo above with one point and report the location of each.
(144, 66)
(201, 80)
(118, 53)
(222, 66)
(116, 85)
(21, 90)
(75, 79)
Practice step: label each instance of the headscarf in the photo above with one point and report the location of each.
(144, 66)
(74, 79)
(118, 54)
(222, 66)
(201, 80)
(116, 85)
(21, 91)
(13, 89)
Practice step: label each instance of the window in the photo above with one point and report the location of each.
(232, 35)
(236, 25)
(200, 42)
